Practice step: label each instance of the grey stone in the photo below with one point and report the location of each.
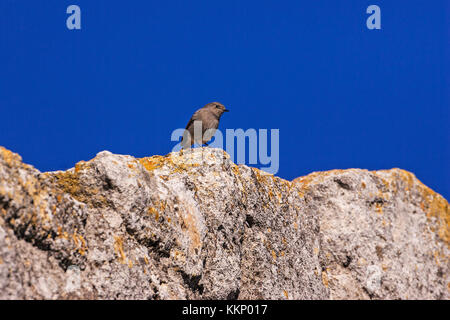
(193, 225)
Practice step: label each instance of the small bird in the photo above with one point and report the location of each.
(208, 119)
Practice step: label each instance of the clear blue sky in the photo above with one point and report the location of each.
(342, 96)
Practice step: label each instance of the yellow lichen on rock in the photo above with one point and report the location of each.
(325, 278)
(176, 162)
(79, 166)
(9, 157)
(189, 224)
(152, 163)
(274, 255)
(152, 210)
(437, 207)
(433, 204)
(79, 242)
(118, 248)
(69, 182)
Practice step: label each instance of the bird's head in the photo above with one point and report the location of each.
(216, 108)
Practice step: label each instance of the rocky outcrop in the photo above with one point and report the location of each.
(194, 225)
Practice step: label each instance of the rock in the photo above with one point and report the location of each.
(193, 225)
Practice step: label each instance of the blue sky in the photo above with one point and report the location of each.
(342, 96)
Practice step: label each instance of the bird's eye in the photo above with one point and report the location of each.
(217, 106)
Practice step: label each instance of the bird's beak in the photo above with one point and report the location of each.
(226, 110)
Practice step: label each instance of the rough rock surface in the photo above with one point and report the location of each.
(194, 225)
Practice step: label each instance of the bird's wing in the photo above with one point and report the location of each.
(189, 128)
(195, 116)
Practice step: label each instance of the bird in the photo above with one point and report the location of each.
(206, 118)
